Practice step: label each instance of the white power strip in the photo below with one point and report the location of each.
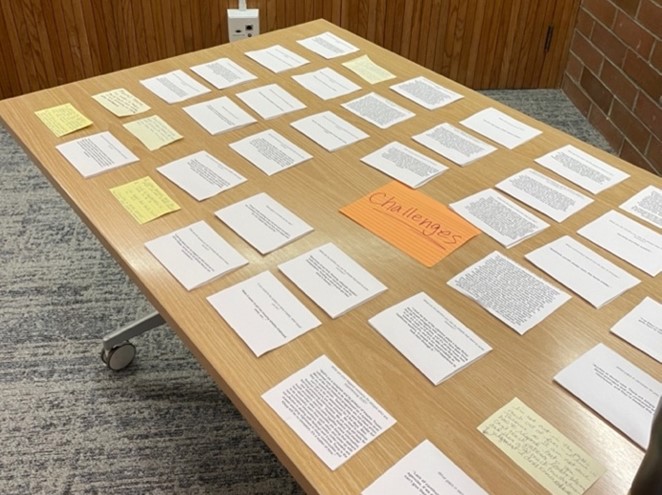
(243, 23)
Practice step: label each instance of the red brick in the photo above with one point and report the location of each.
(630, 154)
(654, 155)
(585, 23)
(607, 42)
(586, 52)
(602, 10)
(656, 57)
(605, 127)
(574, 67)
(619, 83)
(633, 35)
(596, 90)
(649, 113)
(643, 74)
(629, 6)
(630, 125)
(576, 95)
(650, 16)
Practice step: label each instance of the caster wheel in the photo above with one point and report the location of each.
(119, 357)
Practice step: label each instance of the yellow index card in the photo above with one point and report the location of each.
(153, 132)
(63, 119)
(541, 450)
(120, 102)
(144, 199)
(423, 228)
(368, 70)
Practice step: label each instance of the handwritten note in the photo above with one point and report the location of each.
(63, 119)
(120, 102)
(423, 228)
(541, 450)
(144, 199)
(153, 132)
(368, 70)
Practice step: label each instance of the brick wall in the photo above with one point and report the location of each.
(614, 75)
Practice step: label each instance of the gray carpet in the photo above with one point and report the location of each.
(67, 424)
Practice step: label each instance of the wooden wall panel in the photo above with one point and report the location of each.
(480, 43)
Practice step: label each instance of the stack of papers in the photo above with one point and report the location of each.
(454, 144)
(332, 279)
(520, 299)
(195, 254)
(270, 101)
(326, 83)
(263, 222)
(544, 194)
(378, 110)
(328, 45)
(277, 58)
(404, 164)
(223, 73)
(219, 115)
(498, 217)
(616, 389)
(500, 128)
(201, 175)
(91, 155)
(582, 169)
(642, 327)
(430, 337)
(270, 152)
(329, 131)
(426, 93)
(583, 271)
(647, 205)
(322, 404)
(174, 86)
(263, 312)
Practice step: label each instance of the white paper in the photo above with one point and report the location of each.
(201, 175)
(219, 115)
(431, 338)
(263, 312)
(328, 45)
(454, 144)
(332, 279)
(616, 389)
(329, 131)
(263, 222)
(223, 73)
(195, 254)
(642, 327)
(329, 411)
(91, 155)
(647, 205)
(174, 86)
(583, 271)
(404, 164)
(499, 217)
(500, 128)
(426, 93)
(582, 169)
(270, 152)
(424, 470)
(544, 194)
(277, 58)
(378, 110)
(520, 299)
(326, 83)
(627, 239)
(270, 101)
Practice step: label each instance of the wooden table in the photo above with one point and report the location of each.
(448, 414)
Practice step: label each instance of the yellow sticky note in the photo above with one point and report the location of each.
(541, 450)
(144, 199)
(423, 228)
(63, 119)
(368, 70)
(153, 132)
(120, 102)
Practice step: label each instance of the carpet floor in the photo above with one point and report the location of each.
(68, 425)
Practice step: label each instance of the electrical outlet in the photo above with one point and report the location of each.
(243, 23)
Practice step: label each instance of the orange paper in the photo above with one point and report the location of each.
(423, 228)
